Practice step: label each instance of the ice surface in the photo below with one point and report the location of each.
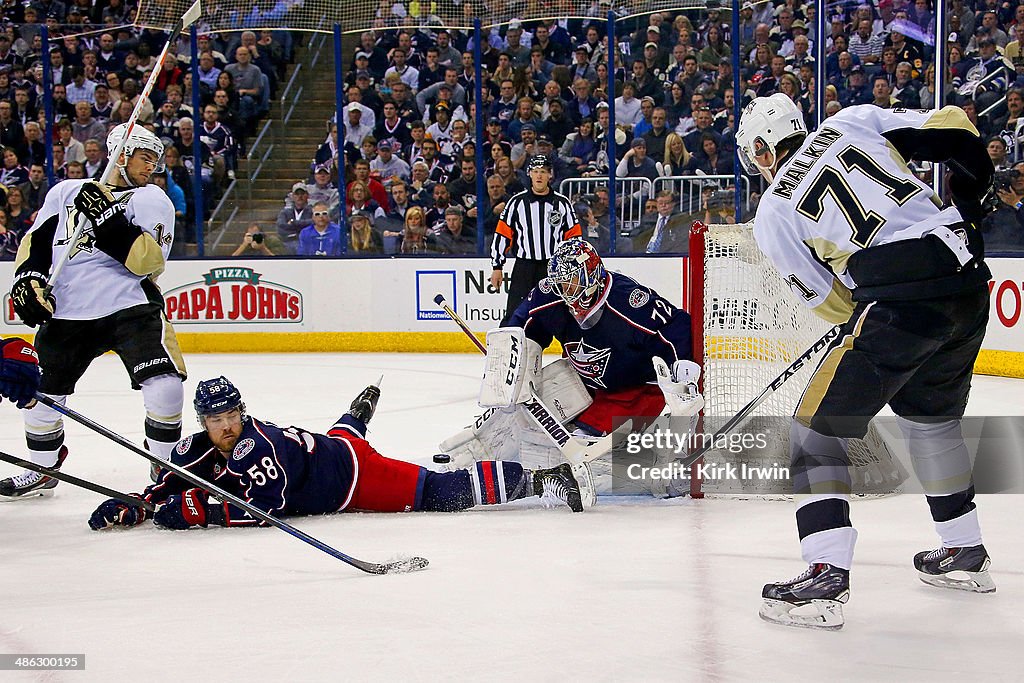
(633, 590)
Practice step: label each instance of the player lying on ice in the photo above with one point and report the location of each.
(626, 353)
(290, 471)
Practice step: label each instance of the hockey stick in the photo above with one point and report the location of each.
(75, 481)
(187, 19)
(407, 564)
(573, 451)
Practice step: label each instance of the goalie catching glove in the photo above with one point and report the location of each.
(679, 384)
(31, 302)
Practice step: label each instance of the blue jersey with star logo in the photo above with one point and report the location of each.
(635, 324)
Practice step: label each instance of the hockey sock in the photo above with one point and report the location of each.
(351, 425)
(163, 397)
(44, 432)
(486, 483)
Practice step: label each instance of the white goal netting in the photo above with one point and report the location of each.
(754, 328)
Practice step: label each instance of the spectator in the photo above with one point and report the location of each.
(440, 130)
(440, 204)
(23, 109)
(504, 107)
(362, 238)
(414, 232)
(636, 163)
(882, 95)
(358, 198)
(627, 107)
(866, 44)
(12, 133)
(676, 158)
(19, 216)
(505, 171)
(76, 170)
(583, 104)
(80, 89)
(856, 90)
(906, 89)
(85, 126)
(703, 122)
(35, 150)
(997, 153)
(129, 96)
(579, 150)
(9, 240)
(292, 219)
(658, 134)
(421, 189)
(248, 80)
(12, 173)
(327, 153)
(36, 188)
(355, 129)
(494, 204)
(392, 127)
(361, 171)
(323, 191)
(95, 158)
(710, 162)
(254, 243)
(388, 166)
(462, 190)
(582, 68)
(322, 237)
(208, 71)
(453, 237)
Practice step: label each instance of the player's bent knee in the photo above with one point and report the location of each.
(163, 396)
(939, 455)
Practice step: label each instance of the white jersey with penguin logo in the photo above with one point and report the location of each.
(93, 284)
(846, 189)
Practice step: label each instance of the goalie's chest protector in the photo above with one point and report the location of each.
(613, 354)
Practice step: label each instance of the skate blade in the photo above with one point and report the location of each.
(823, 615)
(974, 582)
(585, 480)
(38, 493)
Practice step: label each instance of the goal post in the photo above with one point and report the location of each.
(747, 327)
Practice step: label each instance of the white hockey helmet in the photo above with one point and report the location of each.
(766, 122)
(140, 138)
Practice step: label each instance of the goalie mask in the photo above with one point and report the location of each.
(766, 123)
(140, 138)
(577, 275)
(215, 396)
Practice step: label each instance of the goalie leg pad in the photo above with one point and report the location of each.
(494, 435)
(512, 368)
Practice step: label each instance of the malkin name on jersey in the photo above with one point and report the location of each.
(797, 169)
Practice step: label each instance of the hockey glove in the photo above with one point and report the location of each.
(95, 201)
(114, 513)
(679, 385)
(32, 305)
(183, 512)
(19, 371)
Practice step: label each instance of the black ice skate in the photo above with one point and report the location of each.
(964, 569)
(365, 404)
(571, 484)
(812, 600)
(29, 483)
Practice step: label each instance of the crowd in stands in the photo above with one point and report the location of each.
(98, 65)
(409, 118)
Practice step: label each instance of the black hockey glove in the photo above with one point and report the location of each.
(30, 303)
(95, 201)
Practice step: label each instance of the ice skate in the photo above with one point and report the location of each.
(573, 485)
(812, 600)
(30, 484)
(963, 569)
(365, 404)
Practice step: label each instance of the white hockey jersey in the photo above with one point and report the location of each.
(93, 284)
(846, 189)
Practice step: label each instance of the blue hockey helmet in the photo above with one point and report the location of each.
(217, 395)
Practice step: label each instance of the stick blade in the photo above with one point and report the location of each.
(403, 565)
(191, 14)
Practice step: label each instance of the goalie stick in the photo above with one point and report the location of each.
(81, 483)
(573, 450)
(407, 564)
(187, 19)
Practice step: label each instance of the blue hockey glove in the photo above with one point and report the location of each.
(19, 371)
(113, 513)
(183, 512)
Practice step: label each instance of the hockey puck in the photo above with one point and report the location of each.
(442, 458)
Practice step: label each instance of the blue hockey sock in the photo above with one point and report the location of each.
(351, 425)
(485, 483)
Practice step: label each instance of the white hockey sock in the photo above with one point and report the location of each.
(962, 532)
(832, 546)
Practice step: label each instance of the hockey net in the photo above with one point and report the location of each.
(748, 327)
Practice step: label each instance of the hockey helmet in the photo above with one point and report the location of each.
(767, 122)
(576, 274)
(215, 396)
(539, 161)
(140, 138)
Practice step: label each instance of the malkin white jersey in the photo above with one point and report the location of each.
(93, 284)
(848, 188)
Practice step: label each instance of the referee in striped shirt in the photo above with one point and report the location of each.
(534, 222)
